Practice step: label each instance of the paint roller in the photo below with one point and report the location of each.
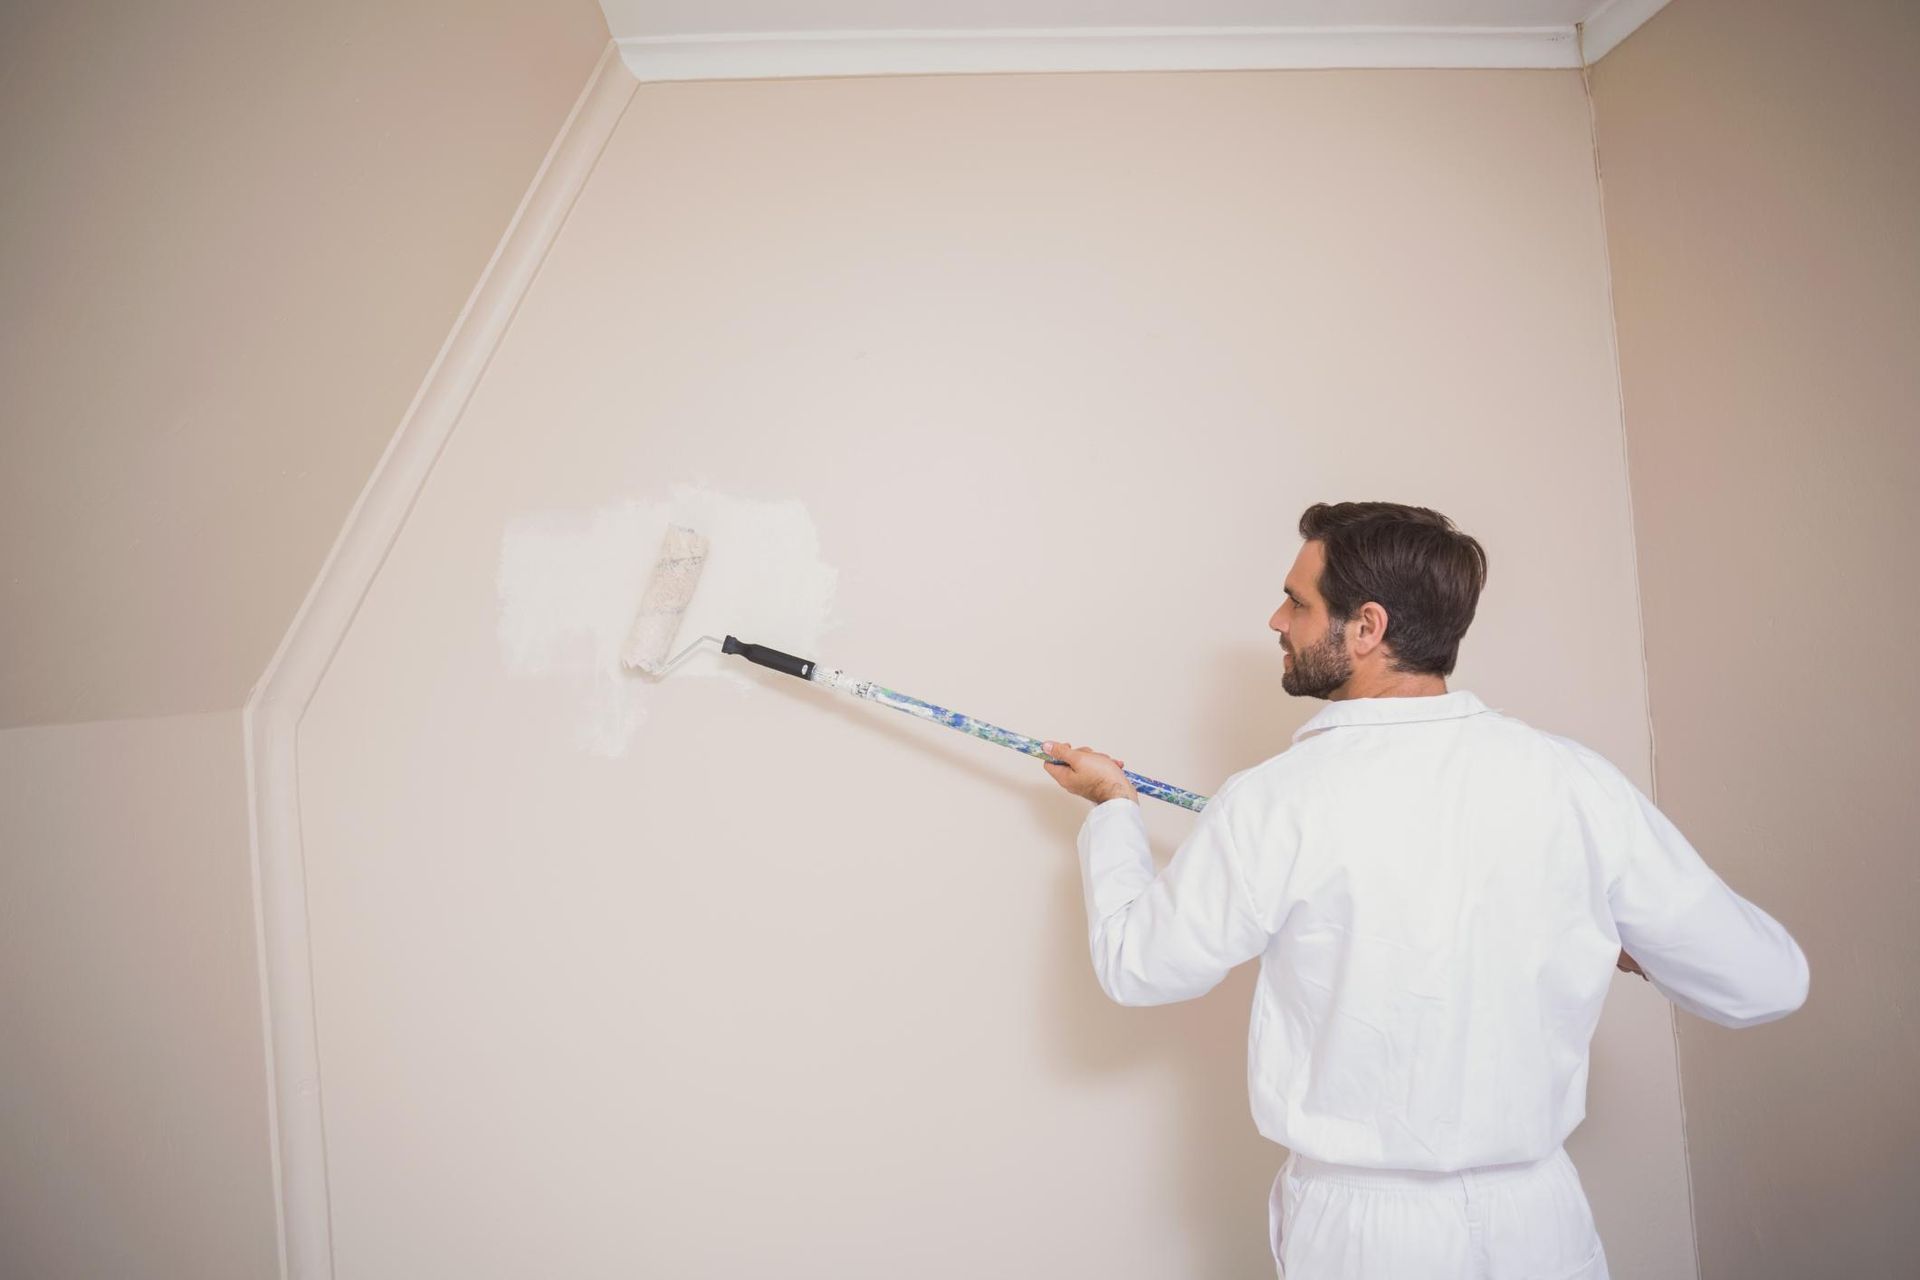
(669, 591)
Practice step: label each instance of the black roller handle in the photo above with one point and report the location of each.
(772, 658)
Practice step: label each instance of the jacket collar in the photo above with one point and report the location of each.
(1366, 711)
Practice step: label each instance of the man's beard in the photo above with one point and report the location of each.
(1320, 669)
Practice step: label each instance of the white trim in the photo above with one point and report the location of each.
(277, 703)
(764, 55)
(1613, 22)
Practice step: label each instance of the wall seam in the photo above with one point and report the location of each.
(1639, 600)
(279, 700)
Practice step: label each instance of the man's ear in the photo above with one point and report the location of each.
(1370, 628)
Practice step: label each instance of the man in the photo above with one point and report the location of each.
(1438, 895)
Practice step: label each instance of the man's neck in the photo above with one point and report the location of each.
(1390, 684)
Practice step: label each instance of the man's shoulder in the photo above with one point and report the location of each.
(1324, 754)
(1285, 770)
(1586, 766)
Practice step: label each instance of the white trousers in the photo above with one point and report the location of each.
(1506, 1222)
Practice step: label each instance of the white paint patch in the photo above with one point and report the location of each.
(570, 583)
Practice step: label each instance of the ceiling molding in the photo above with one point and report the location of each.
(1613, 22)
(799, 54)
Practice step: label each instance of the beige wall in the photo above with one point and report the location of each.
(233, 238)
(133, 1107)
(1053, 363)
(1762, 200)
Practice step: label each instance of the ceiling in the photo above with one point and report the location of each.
(747, 39)
(682, 17)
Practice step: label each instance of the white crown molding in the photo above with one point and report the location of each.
(277, 703)
(1611, 23)
(794, 54)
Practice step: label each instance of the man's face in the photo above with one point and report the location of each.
(1317, 662)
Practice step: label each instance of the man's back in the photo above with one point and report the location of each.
(1438, 894)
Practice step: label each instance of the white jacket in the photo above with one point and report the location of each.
(1437, 894)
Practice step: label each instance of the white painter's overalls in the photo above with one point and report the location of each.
(1437, 894)
(1507, 1222)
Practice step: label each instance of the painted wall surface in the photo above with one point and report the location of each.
(1762, 202)
(133, 1107)
(1048, 367)
(233, 239)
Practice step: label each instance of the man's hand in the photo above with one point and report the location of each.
(1089, 774)
(1627, 964)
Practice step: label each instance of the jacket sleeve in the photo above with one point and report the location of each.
(1173, 936)
(1703, 946)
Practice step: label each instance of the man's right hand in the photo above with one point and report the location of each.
(1089, 774)
(1627, 964)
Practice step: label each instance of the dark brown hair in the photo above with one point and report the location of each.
(1413, 563)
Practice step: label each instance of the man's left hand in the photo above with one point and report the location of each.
(1088, 773)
